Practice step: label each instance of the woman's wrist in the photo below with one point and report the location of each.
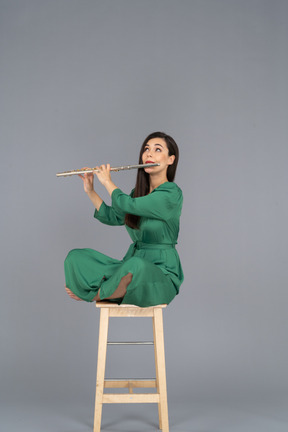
(110, 186)
(95, 198)
(90, 192)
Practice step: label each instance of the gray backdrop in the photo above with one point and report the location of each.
(82, 83)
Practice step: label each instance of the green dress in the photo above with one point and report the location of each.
(151, 258)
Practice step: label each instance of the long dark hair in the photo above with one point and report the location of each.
(142, 181)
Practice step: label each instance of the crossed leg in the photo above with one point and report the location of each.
(120, 290)
(118, 293)
(72, 295)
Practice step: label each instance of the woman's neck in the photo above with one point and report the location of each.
(156, 181)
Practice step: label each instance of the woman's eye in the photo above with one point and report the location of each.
(158, 149)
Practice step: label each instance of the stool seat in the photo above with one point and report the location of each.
(108, 310)
(102, 303)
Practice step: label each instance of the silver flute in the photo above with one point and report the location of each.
(93, 170)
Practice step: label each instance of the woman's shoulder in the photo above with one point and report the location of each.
(169, 186)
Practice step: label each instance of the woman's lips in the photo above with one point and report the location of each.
(149, 162)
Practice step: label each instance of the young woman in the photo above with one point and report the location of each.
(150, 272)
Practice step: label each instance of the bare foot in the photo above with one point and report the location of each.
(72, 295)
(120, 290)
(97, 297)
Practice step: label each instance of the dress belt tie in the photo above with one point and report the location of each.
(142, 245)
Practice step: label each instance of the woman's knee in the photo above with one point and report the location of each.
(71, 257)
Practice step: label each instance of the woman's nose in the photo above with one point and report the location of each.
(149, 153)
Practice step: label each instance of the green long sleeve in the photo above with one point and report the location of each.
(163, 203)
(109, 216)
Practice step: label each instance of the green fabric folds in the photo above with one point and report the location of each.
(152, 257)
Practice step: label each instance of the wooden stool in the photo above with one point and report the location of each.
(108, 310)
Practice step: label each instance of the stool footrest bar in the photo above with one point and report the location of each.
(131, 398)
(127, 383)
(130, 343)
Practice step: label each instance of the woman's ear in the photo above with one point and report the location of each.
(171, 160)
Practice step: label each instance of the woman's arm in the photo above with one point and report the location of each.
(109, 216)
(163, 203)
(104, 176)
(103, 213)
(88, 183)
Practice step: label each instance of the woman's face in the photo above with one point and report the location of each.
(156, 151)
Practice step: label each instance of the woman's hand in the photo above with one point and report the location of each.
(88, 181)
(103, 174)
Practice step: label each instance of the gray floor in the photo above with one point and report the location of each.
(194, 417)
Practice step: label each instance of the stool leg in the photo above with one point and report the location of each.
(157, 377)
(160, 369)
(102, 349)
